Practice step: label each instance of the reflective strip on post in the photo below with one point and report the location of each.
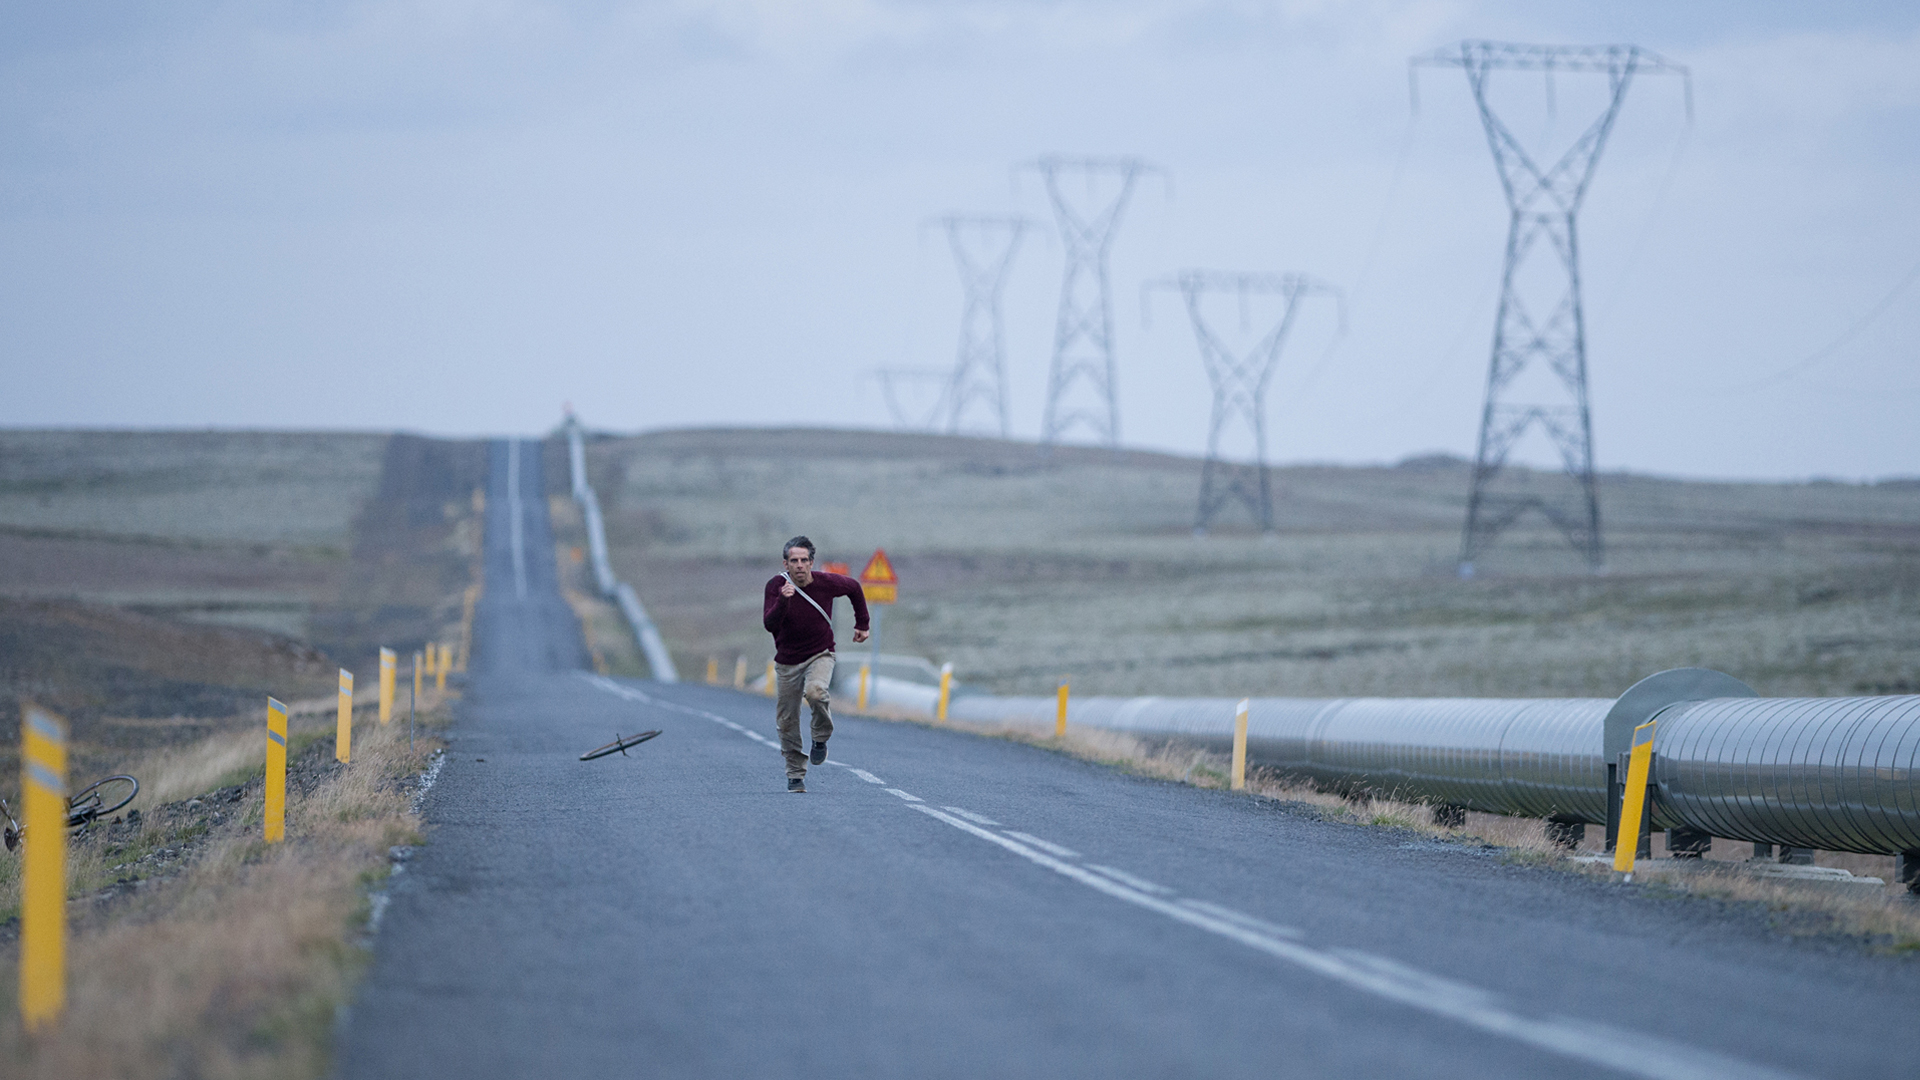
(43, 894)
(388, 664)
(343, 725)
(1240, 744)
(276, 811)
(1634, 800)
(1060, 715)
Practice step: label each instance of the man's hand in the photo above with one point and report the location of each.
(860, 636)
(787, 589)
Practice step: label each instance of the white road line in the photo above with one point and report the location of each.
(1047, 846)
(1631, 1052)
(514, 523)
(1125, 878)
(1248, 921)
(904, 795)
(868, 777)
(977, 819)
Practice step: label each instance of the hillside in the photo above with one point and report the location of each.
(1024, 569)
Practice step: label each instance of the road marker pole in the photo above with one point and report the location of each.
(1634, 800)
(866, 672)
(343, 725)
(771, 689)
(43, 892)
(946, 689)
(445, 657)
(388, 664)
(1240, 743)
(276, 812)
(1060, 715)
(713, 671)
(419, 671)
(739, 673)
(426, 653)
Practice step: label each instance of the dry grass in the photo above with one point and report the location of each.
(1887, 919)
(232, 962)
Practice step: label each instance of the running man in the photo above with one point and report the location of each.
(799, 615)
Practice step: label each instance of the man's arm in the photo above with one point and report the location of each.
(858, 597)
(773, 613)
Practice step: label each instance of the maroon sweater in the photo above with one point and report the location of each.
(798, 631)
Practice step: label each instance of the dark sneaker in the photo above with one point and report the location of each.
(819, 755)
(796, 784)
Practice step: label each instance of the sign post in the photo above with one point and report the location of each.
(882, 587)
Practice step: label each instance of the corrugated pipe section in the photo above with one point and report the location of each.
(1839, 774)
(651, 644)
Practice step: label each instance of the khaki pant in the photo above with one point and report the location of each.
(810, 679)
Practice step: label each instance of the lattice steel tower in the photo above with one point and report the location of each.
(983, 249)
(1541, 318)
(1240, 384)
(1080, 384)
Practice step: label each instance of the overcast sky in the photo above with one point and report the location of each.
(454, 217)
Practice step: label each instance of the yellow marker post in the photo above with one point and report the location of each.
(388, 662)
(713, 671)
(440, 669)
(946, 690)
(739, 673)
(426, 654)
(1634, 799)
(343, 725)
(276, 816)
(1060, 715)
(418, 673)
(866, 672)
(772, 687)
(43, 893)
(1240, 744)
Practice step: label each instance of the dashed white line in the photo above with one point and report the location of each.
(904, 795)
(1125, 878)
(1632, 1052)
(1248, 921)
(1047, 846)
(867, 776)
(977, 819)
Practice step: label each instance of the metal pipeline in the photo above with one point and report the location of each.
(1839, 774)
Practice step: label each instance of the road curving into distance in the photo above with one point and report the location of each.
(945, 905)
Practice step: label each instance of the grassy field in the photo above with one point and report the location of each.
(1025, 569)
(155, 588)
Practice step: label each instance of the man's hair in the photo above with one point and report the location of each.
(798, 541)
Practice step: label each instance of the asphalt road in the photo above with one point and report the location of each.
(944, 905)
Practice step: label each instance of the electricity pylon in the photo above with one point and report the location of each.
(1240, 384)
(1080, 384)
(983, 249)
(1541, 317)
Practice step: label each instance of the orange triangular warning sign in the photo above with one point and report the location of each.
(879, 571)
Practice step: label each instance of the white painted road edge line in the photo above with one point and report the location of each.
(1047, 846)
(977, 819)
(867, 776)
(1627, 1051)
(1125, 878)
(903, 795)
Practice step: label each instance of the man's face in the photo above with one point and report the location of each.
(800, 565)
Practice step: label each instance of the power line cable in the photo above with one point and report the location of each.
(1821, 355)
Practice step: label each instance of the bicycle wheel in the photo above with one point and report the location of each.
(101, 798)
(617, 745)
